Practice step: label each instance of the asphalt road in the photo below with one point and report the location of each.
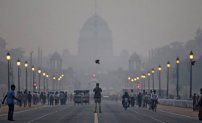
(112, 112)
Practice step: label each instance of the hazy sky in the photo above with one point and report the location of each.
(137, 25)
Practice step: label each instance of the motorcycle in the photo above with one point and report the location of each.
(125, 103)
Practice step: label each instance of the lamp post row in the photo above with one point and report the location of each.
(18, 63)
(168, 65)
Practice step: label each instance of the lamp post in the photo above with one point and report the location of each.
(153, 71)
(177, 87)
(143, 77)
(168, 70)
(26, 65)
(53, 84)
(159, 69)
(18, 65)
(44, 78)
(148, 74)
(47, 76)
(192, 62)
(59, 83)
(8, 58)
(33, 75)
(39, 73)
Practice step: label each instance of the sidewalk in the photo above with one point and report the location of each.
(178, 110)
(4, 108)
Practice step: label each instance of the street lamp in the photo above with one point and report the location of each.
(44, 78)
(39, 73)
(143, 77)
(8, 58)
(129, 78)
(153, 71)
(26, 65)
(159, 69)
(53, 84)
(192, 62)
(47, 76)
(148, 74)
(59, 83)
(33, 74)
(18, 65)
(177, 88)
(168, 70)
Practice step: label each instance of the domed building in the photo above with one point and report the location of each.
(95, 40)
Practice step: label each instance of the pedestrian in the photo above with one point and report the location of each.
(29, 98)
(139, 99)
(97, 97)
(24, 97)
(0, 104)
(194, 102)
(200, 105)
(10, 102)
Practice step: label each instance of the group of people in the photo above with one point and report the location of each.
(197, 104)
(27, 99)
(144, 99)
(55, 98)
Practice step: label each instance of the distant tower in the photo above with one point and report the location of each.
(56, 63)
(134, 63)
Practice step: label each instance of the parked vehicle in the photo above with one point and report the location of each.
(81, 96)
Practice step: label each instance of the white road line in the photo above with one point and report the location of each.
(45, 115)
(95, 118)
(149, 117)
(177, 114)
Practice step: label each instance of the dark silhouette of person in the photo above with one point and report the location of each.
(10, 102)
(29, 99)
(97, 97)
(139, 99)
(200, 105)
(194, 102)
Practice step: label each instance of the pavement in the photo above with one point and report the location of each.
(112, 112)
(4, 108)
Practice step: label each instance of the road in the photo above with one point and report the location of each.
(112, 113)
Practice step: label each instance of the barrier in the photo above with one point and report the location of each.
(177, 103)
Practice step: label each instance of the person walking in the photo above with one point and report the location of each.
(200, 105)
(10, 102)
(97, 97)
(29, 98)
(194, 101)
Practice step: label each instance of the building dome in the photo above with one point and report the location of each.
(95, 38)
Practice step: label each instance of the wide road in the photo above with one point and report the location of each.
(112, 113)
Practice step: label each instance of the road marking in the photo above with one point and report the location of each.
(45, 115)
(150, 117)
(177, 114)
(95, 118)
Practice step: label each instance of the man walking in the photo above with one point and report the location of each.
(200, 105)
(29, 98)
(10, 101)
(97, 97)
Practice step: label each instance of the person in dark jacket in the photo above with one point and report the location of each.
(194, 101)
(200, 105)
(97, 97)
(139, 99)
(29, 99)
